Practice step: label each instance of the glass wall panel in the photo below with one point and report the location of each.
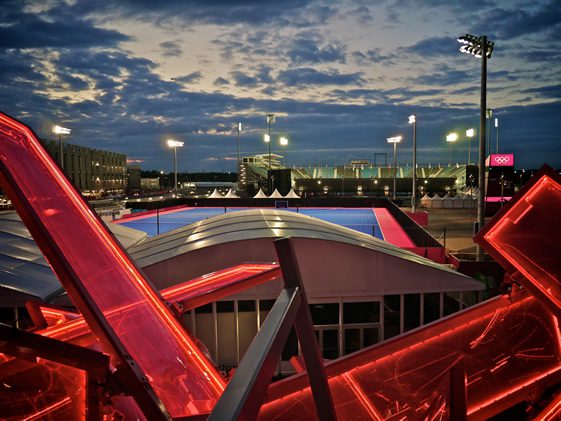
(411, 311)
(371, 336)
(451, 303)
(247, 321)
(392, 307)
(366, 312)
(226, 323)
(352, 340)
(431, 307)
(325, 314)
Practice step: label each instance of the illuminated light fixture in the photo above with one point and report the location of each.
(175, 144)
(474, 45)
(266, 138)
(469, 134)
(283, 141)
(395, 140)
(450, 138)
(59, 130)
(413, 121)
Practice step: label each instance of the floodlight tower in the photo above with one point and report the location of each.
(451, 138)
(60, 131)
(413, 121)
(482, 48)
(175, 144)
(469, 134)
(395, 140)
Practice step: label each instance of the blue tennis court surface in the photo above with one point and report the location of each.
(362, 220)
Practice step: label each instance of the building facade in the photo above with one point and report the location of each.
(92, 171)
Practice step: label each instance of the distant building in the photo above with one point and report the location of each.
(150, 184)
(133, 178)
(91, 170)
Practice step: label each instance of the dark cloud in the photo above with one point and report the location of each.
(374, 55)
(171, 48)
(52, 29)
(244, 80)
(311, 49)
(552, 91)
(309, 76)
(445, 76)
(433, 47)
(512, 23)
(221, 82)
(190, 78)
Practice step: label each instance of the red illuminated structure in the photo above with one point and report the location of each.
(127, 355)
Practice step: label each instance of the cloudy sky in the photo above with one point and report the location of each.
(341, 76)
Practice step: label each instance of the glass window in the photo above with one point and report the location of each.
(330, 344)
(411, 311)
(371, 336)
(469, 298)
(352, 340)
(207, 308)
(392, 307)
(225, 306)
(431, 307)
(246, 305)
(366, 312)
(451, 303)
(325, 314)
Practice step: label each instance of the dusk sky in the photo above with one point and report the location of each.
(341, 77)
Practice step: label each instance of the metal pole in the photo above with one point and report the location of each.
(238, 146)
(469, 150)
(497, 124)
(269, 172)
(482, 138)
(414, 192)
(394, 169)
(175, 169)
(450, 149)
(61, 152)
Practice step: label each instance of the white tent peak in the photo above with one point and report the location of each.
(292, 195)
(231, 195)
(215, 195)
(260, 195)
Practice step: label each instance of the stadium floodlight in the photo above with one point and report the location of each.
(59, 130)
(469, 134)
(451, 138)
(239, 132)
(395, 140)
(175, 144)
(283, 141)
(481, 48)
(413, 121)
(266, 138)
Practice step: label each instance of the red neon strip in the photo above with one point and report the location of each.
(100, 276)
(363, 399)
(391, 230)
(45, 411)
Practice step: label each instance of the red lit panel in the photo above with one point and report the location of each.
(391, 230)
(504, 346)
(525, 237)
(120, 306)
(41, 391)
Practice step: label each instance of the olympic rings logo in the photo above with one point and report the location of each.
(501, 159)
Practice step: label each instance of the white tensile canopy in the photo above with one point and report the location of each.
(232, 195)
(260, 195)
(215, 195)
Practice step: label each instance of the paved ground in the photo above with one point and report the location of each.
(458, 224)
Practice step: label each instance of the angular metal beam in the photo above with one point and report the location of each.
(305, 331)
(246, 391)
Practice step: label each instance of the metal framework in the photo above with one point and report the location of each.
(474, 364)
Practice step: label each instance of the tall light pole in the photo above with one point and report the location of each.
(469, 134)
(497, 127)
(482, 48)
(60, 131)
(239, 132)
(175, 144)
(413, 121)
(270, 120)
(395, 140)
(451, 138)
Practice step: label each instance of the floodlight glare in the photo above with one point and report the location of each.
(412, 119)
(174, 143)
(61, 130)
(452, 137)
(395, 139)
(266, 138)
(283, 141)
(470, 132)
